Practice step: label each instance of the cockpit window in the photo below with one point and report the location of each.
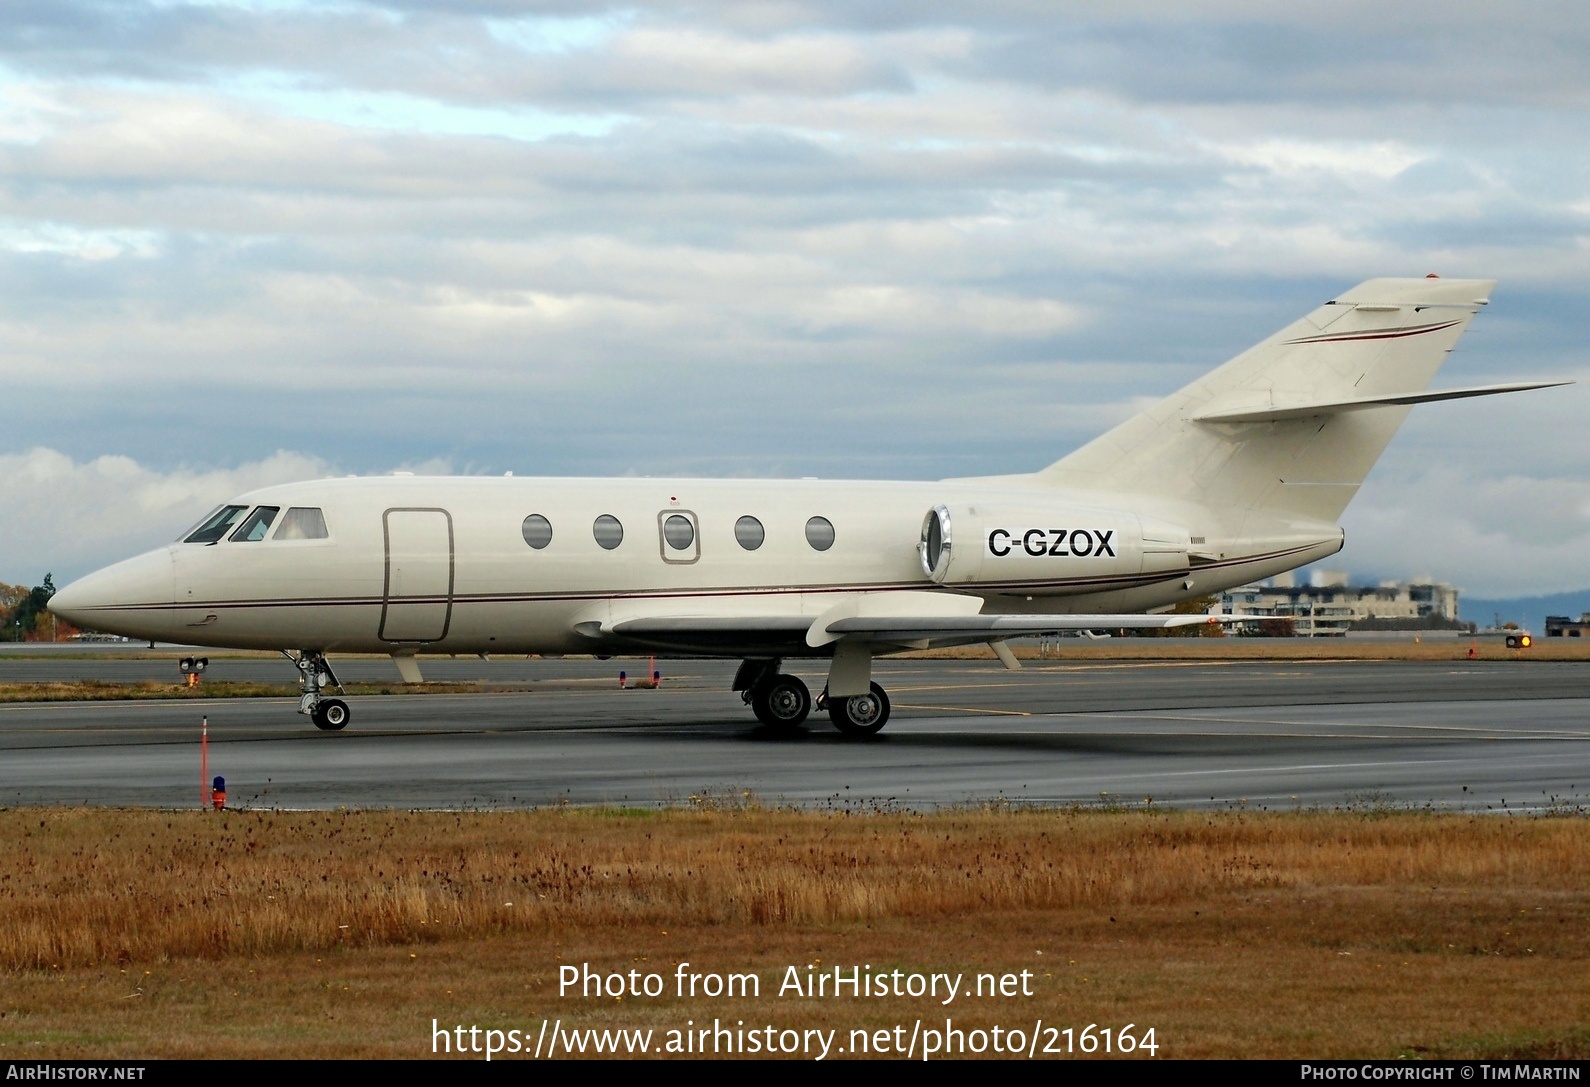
(255, 525)
(213, 527)
(182, 537)
(302, 523)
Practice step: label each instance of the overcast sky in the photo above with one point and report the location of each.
(249, 242)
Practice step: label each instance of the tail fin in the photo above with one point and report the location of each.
(1293, 425)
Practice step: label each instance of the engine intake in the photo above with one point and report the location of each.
(936, 545)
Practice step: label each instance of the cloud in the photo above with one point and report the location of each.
(1510, 536)
(785, 237)
(69, 517)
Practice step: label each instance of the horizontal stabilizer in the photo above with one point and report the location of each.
(1279, 412)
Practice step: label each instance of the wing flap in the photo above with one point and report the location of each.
(982, 627)
(713, 624)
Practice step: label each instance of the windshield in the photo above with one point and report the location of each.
(255, 525)
(213, 527)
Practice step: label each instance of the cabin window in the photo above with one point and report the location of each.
(679, 532)
(608, 531)
(537, 531)
(748, 532)
(302, 523)
(820, 533)
(218, 524)
(255, 525)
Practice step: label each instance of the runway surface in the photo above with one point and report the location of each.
(1466, 735)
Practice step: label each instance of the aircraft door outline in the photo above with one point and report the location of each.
(417, 589)
(668, 535)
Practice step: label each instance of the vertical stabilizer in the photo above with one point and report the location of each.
(1383, 337)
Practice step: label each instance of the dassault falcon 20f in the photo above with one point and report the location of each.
(1239, 476)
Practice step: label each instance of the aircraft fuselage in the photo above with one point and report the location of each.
(446, 564)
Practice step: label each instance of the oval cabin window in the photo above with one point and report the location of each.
(820, 533)
(748, 533)
(537, 531)
(608, 532)
(679, 532)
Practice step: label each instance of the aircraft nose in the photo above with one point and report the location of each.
(100, 601)
(68, 603)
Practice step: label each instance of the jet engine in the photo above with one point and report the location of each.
(1000, 544)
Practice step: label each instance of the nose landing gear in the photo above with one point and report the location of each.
(314, 675)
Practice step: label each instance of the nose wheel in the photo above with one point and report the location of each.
(314, 676)
(331, 715)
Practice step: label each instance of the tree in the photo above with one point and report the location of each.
(25, 612)
(1196, 606)
(1199, 605)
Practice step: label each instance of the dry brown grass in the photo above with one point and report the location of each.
(1237, 933)
(84, 886)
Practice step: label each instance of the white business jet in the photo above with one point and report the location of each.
(1239, 476)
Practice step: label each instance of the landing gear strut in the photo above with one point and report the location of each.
(314, 675)
(781, 702)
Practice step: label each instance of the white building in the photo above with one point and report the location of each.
(1329, 603)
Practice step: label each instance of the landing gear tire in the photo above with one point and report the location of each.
(860, 714)
(782, 703)
(331, 715)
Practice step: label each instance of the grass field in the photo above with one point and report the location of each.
(1367, 934)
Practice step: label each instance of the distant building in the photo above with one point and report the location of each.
(1330, 604)
(1560, 626)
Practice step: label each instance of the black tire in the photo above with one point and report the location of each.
(783, 703)
(862, 714)
(331, 715)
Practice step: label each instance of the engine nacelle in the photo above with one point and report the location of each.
(1046, 548)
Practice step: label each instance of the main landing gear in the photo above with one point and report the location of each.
(858, 715)
(314, 675)
(782, 702)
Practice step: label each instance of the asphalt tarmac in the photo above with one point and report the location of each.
(1480, 735)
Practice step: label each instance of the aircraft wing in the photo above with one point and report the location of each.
(963, 629)
(887, 620)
